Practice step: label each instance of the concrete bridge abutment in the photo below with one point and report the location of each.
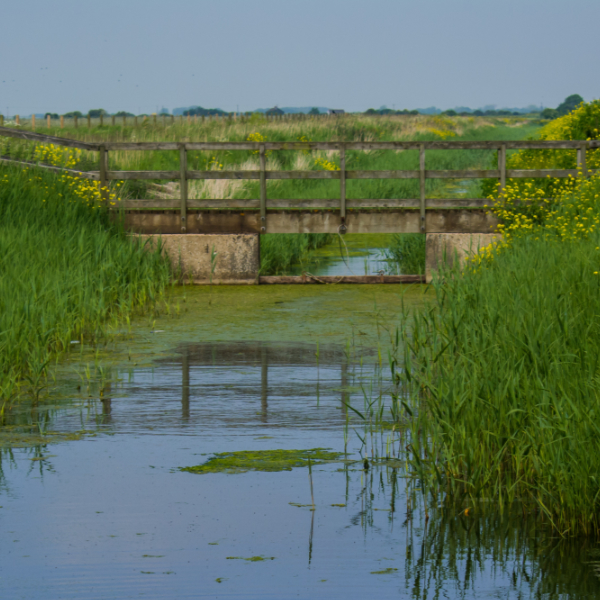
(211, 258)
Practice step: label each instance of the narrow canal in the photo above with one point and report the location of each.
(237, 370)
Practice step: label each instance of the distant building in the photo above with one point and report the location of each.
(274, 112)
(336, 111)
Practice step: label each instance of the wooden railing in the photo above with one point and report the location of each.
(342, 204)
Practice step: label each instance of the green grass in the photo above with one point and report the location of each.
(502, 376)
(407, 251)
(279, 251)
(66, 273)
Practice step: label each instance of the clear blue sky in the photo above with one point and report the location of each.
(140, 55)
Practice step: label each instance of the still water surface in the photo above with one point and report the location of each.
(111, 516)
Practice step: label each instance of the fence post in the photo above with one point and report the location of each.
(1, 120)
(75, 121)
(101, 120)
(62, 121)
(124, 120)
(263, 189)
(172, 119)
(135, 121)
(581, 159)
(422, 185)
(343, 187)
(33, 122)
(112, 120)
(183, 185)
(17, 120)
(48, 121)
(103, 167)
(502, 167)
(164, 120)
(89, 121)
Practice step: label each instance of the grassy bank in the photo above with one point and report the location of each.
(501, 375)
(504, 380)
(66, 273)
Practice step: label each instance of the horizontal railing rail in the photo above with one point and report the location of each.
(341, 174)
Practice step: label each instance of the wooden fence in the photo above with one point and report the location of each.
(340, 205)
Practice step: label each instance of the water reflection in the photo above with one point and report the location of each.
(89, 521)
(242, 384)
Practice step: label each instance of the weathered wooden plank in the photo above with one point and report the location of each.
(183, 186)
(463, 174)
(422, 176)
(343, 183)
(224, 175)
(502, 167)
(529, 173)
(95, 175)
(313, 203)
(382, 174)
(46, 139)
(263, 189)
(374, 221)
(143, 146)
(123, 175)
(328, 279)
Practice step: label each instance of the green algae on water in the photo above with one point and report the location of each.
(263, 460)
(251, 558)
(388, 571)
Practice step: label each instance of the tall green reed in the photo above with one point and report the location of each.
(501, 379)
(67, 272)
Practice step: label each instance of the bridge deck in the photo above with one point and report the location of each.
(312, 221)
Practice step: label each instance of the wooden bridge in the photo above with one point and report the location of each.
(272, 215)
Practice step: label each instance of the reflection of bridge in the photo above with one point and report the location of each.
(256, 382)
(262, 215)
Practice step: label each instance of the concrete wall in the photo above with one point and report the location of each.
(453, 246)
(235, 257)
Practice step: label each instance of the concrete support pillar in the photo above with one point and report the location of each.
(211, 258)
(450, 247)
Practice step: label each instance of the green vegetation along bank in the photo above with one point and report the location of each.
(502, 373)
(66, 273)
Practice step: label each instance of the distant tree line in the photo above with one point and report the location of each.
(204, 112)
(389, 111)
(570, 103)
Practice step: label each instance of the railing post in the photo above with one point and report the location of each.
(343, 188)
(581, 159)
(263, 189)
(183, 184)
(422, 185)
(103, 167)
(502, 167)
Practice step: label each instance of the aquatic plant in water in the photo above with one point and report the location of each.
(263, 460)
